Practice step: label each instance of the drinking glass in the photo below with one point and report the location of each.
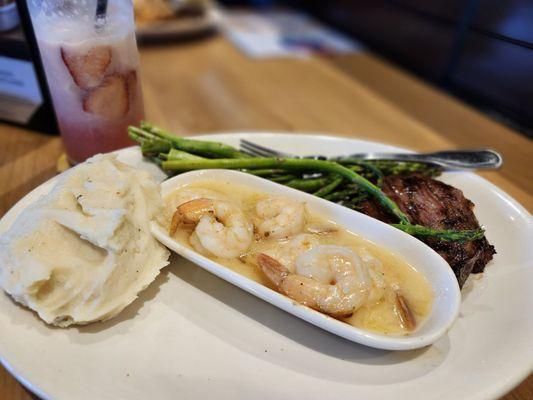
(92, 70)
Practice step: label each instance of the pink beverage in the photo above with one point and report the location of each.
(92, 72)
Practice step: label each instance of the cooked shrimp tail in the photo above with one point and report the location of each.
(299, 288)
(272, 269)
(406, 316)
(189, 212)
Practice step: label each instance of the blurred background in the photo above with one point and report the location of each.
(478, 50)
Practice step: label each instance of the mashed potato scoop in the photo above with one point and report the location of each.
(84, 251)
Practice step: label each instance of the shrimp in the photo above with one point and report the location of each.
(330, 279)
(194, 241)
(279, 217)
(375, 270)
(221, 229)
(189, 193)
(287, 251)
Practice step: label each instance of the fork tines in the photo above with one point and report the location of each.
(257, 150)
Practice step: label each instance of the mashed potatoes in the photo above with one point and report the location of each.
(83, 252)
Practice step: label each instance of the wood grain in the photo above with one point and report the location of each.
(209, 86)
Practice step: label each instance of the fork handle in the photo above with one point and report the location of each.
(451, 159)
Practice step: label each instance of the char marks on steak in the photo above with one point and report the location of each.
(434, 204)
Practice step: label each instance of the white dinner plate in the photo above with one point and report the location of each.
(191, 335)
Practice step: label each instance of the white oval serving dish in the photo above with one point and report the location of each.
(447, 297)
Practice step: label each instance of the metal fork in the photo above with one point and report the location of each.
(450, 159)
(256, 150)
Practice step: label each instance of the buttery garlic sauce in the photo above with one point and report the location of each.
(381, 316)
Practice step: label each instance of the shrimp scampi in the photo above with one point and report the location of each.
(375, 270)
(279, 217)
(331, 279)
(286, 251)
(280, 242)
(221, 227)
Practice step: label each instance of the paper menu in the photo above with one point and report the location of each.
(283, 33)
(20, 94)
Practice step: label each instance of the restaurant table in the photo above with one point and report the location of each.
(209, 86)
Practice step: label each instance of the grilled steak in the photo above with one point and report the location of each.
(437, 205)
